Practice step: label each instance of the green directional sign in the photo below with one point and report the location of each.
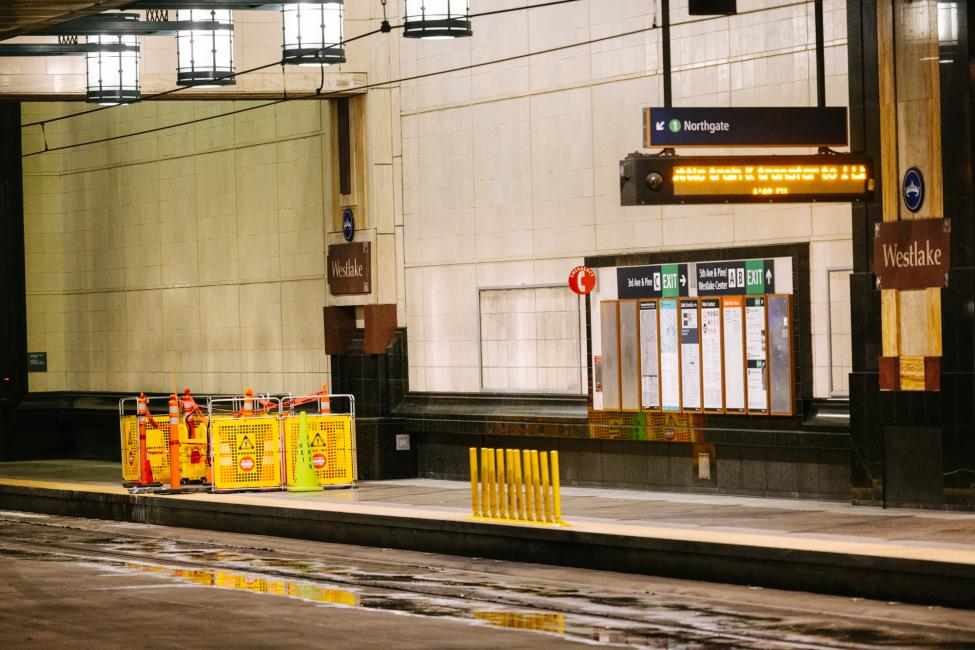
(759, 276)
(673, 280)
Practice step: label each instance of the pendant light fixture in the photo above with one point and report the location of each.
(112, 70)
(205, 53)
(312, 33)
(437, 19)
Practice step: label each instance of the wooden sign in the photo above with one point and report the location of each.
(912, 254)
(349, 268)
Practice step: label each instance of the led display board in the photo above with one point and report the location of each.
(664, 180)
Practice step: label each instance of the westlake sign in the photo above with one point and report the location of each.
(792, 126)
(912, 254)
(349, 268)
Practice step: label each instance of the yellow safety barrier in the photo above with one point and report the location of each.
(516, 485)
(246, 452)
(331, 444)
(192, 452)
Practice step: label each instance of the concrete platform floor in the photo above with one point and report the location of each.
(866, 539)
(914, 533)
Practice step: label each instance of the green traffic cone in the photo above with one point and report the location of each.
(305, 479)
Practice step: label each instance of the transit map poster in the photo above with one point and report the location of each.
(669, 356)
(649, 359)
(755, 355)
(711, 353)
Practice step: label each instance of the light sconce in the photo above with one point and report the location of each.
(312, 33)
(112, 70)
(205, 53)
(437, 19)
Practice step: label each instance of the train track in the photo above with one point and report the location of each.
(575, 610)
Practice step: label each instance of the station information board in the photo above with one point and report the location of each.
(663, 180)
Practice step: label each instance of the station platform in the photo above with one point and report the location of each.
(824, 547)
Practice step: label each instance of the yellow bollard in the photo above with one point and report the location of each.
(519, 498)
(557, 512)
(492, 502)
(475, 506)
(499, 475)
(536, 492)
(529, 503)
(485, 504)
(546, 494)
(510, 482)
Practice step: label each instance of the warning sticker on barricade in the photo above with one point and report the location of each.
(331, 446)
(246, 453)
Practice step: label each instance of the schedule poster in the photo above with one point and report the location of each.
(669, 357)
(711, 353)
(649, 359)
(690, 356)
(755, 351)
(734, 353)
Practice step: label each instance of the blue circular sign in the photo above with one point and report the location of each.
(348, 224)
(913, 189)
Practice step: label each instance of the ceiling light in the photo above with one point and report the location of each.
(205, 53)
(312, 33)
(437, 19)
(112, 70)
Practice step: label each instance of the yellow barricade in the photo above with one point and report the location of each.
(246, 452)
(192, 453)
(516, 485)
(331, 445)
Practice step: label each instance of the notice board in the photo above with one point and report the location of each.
(690, 355)
(669, 356)
(711, 365)
(733, 335)
(756, 382)
(649, 356)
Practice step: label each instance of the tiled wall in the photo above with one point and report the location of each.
(510, 171)
(188, 257)
(530, 339)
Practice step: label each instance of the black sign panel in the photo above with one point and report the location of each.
(669, 180)
(658, 281)
(712, 7)
(735, 278)
(794, 126)
(37, 362)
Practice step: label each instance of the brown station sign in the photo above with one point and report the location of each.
(912, 254)
(349, 268)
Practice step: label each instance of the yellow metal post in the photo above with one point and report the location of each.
(557, 498)
(529, 503)
(510, 482)
(492, 500)
(519, 497)
(546, 494)
(536, 492)
(475, 506)
(499, 467)
(485, 499)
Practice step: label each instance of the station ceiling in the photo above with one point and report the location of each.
(21, 17)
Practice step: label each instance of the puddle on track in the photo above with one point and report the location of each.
(645, 621)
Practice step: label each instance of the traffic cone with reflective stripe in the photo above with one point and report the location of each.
(305, 479)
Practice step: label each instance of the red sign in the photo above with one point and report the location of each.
(246, 463)
(582, 280)
(318, 460)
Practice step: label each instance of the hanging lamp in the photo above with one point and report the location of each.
(312, 33)
(112, 70)
(205, 53)
(437, 19)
